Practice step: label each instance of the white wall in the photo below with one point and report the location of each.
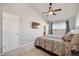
(0, 34)
(72, 22)
(77, 19)
(27, 15)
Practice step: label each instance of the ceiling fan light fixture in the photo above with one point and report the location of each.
(49, 13)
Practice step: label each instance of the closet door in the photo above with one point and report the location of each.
(10, 31)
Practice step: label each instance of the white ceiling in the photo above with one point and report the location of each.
(68, 10)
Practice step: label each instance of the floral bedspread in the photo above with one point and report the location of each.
(54, 45)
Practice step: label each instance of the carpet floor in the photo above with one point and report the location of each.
(30, 52)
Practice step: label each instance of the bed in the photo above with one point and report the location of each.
(58, 45)
(54, 45)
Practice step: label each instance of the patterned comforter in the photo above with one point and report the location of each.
(55, 45)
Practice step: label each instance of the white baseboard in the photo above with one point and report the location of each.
(27, 45)
(22, 47)
(1, 54)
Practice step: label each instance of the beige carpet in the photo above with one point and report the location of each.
(33, 52)
(27, 52)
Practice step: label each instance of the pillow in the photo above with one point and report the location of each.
(68, 36)
(75, 42)
(75, 39)
(71, 35)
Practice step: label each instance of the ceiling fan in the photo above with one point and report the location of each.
(51, 11)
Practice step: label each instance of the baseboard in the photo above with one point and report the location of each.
(1, 54)
(22, 47)
(27, 45)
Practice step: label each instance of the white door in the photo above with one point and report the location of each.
(10, 29)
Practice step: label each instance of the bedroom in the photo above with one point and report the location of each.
(22, 31)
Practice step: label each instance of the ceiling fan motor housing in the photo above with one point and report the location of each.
(50, 4)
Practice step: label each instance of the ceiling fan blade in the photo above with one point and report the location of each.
(57, 10)
(54, 14)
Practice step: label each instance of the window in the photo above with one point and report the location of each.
(59, 28)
